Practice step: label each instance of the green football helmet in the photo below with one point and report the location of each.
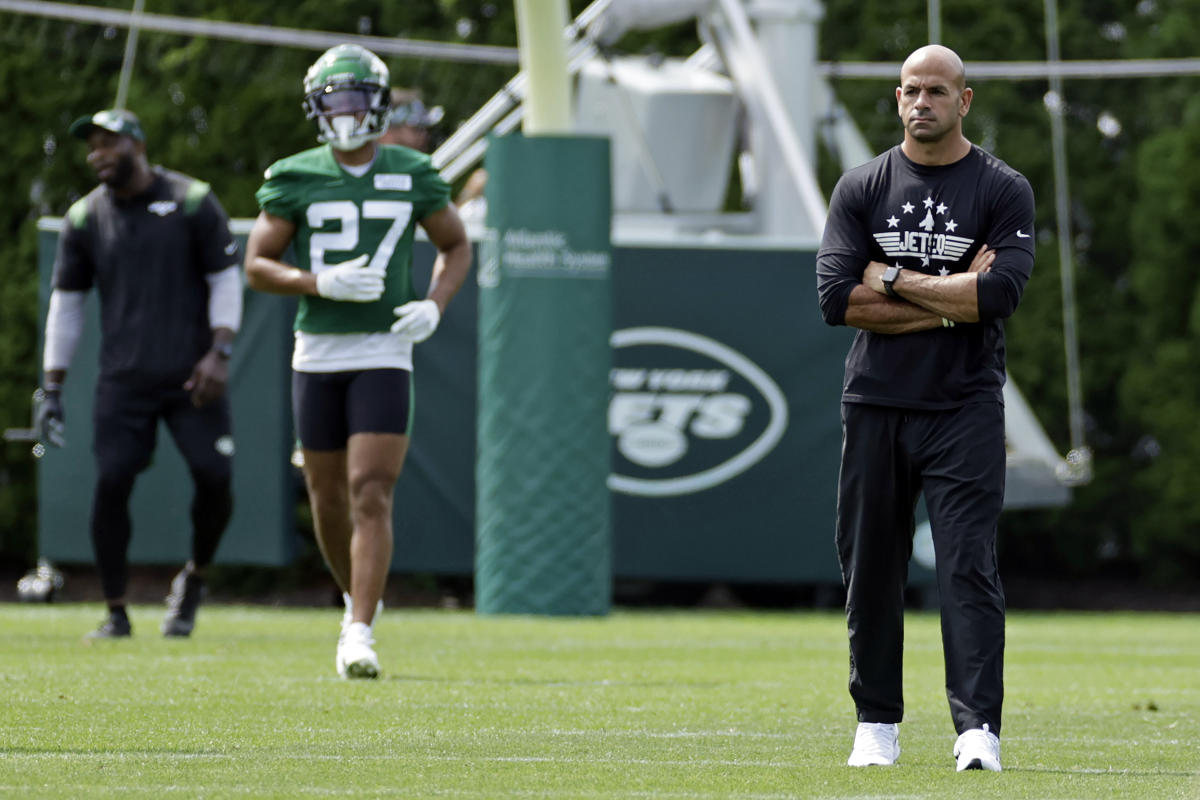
(346, 92)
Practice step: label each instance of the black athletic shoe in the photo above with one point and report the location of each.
(115, 627)
(187, 590)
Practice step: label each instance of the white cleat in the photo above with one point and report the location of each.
(978, 748)
(355, 656)
(875, 744)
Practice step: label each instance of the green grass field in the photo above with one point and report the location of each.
(636, 705)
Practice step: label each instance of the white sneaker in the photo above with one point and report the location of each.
(355, 657)
(875, 744)
(978, 748)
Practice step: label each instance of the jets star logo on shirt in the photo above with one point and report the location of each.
(923, 237)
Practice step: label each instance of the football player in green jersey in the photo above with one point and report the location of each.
(349, 209)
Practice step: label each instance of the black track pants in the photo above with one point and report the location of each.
(889, 456)
(125, 421)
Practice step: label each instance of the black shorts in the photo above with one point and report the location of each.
(331, 406)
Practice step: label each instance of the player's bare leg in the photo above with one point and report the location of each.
(374, 464)
(329, 498)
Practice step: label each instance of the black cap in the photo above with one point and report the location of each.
(115, 120)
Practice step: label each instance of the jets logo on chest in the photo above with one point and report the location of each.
(162, 207)
(925, 233)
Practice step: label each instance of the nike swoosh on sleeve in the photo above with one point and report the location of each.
(1022, 235)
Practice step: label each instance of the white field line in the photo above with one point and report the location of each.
(431, 758)
(556, 794)
(1092, 650)
(1133, 692)
(168, 757)
(1070, 742)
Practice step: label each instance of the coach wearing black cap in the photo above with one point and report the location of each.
(156, 246)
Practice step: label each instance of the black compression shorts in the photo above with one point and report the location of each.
(329, 407)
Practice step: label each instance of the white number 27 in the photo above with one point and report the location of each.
(346, 239)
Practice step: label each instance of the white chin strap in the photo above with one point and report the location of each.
(344, 132)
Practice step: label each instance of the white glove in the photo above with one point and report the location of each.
(351, 281)
(417, 320)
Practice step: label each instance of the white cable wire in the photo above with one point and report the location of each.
(130, 55)
(492, 54)
(263, 34)
(1076, 469)
(1029, 70)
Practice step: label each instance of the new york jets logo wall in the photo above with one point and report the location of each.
(926, 232)
(687, 412)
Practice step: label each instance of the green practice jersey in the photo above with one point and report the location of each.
(339, 216)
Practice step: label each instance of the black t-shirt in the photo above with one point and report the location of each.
(933, 220)
(148, 257)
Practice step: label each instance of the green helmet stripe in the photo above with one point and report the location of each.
(346, 64)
